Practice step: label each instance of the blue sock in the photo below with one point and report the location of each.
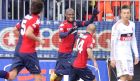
(4, 74)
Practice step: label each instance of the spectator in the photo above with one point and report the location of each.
(116, 8)
(137, 10)
(105, 5)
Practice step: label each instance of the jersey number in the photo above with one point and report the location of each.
(79, 45)
(23, 27)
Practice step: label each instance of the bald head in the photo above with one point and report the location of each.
(91, 28)
(69, 14)
(69, 10)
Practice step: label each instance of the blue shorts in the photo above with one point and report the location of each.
(63, 64)
(83, 73)
(29, 61)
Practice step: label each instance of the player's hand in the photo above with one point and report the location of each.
(136, 60)
(96, 65)
(42, 42)
(95, 11)
(72, 29)
(113, 63)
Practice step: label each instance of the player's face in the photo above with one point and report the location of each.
(70, 16)
(125, 14)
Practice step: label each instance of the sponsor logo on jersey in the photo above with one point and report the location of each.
(126, 37)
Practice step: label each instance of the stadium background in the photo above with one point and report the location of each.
(11, 13)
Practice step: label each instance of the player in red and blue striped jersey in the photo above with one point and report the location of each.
(25, 53)
(67, 34)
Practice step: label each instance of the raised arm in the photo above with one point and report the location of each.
(65, 34)
(86, 23)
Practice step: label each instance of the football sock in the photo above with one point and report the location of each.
(4, 74)
(119, 80)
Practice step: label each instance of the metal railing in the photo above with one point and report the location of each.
(55, 9)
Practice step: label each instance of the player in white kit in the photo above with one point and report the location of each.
(123, 42)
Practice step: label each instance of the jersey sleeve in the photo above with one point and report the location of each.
(62, 27)
(18, 25)
(80, 23)
(114, 37)
(85, 23)
(35, 24)
(134, 43)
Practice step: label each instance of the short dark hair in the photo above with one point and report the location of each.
(125, 7)
(36, 7)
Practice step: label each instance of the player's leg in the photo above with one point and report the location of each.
(12, 74)
(16, 67)
(8, 75)
(94, 80)
(59, 78)
(14, 70)
(74, 76)
(123, 69)
(4, 74)
(130, 70)
(86, 74)
(129, 78)
(123, 78)
(53, 76)
(56, 76)
(63, 67)
(32, 65)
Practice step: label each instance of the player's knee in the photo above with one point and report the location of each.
(11, 78)
(12, 75)
(94, 80)
(130, 78)
(124, 77)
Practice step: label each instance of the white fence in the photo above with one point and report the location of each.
(55, 9)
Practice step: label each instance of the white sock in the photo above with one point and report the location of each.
(119, 80)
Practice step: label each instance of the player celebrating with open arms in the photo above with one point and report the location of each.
(67, 34)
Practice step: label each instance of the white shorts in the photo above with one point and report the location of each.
(124, 67)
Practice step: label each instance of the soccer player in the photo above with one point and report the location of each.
(123, 42)
(84, 46)
(67, 34)
(25, 54)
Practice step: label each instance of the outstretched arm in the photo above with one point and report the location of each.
(86, 23)
(65, 34)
